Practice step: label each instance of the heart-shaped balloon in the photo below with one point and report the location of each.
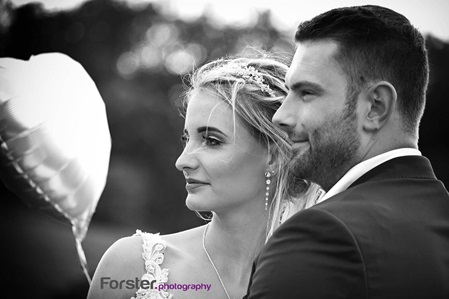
(54, 138)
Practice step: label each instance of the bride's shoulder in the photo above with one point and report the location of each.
(125, 259)
(123, 254)
(122, 261)
(127, 252)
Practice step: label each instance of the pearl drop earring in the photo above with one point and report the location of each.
(267, 191)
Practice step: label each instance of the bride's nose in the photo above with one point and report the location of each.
(187, 160)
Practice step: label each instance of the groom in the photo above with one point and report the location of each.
(357, 88)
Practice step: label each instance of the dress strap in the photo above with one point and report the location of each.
(153, 248)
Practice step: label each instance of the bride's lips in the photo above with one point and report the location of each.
(193, 184)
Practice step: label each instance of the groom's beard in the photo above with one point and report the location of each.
(333, 151)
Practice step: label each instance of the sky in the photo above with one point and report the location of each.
(429, 16)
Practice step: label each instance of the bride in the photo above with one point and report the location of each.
(235, 165)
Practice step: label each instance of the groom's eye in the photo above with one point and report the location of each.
(307, 94)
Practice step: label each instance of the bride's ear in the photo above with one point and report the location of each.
(272, 160)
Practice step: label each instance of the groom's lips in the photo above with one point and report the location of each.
(299, 140)
(297, 144)
(298, 137)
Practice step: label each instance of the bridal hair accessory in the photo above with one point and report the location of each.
(251, 75)
(267, 191)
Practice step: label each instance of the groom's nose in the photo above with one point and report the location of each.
(285, 116)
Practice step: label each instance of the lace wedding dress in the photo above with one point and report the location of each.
(153, 255)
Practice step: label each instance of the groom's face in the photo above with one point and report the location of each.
(316, 115)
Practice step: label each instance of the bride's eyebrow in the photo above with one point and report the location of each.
(210, 129)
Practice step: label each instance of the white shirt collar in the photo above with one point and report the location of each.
(363, 167)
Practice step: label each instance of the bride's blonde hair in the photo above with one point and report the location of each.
(254, 88)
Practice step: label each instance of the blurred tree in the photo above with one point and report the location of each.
(138, 59)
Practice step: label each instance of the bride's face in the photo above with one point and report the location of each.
(223, 163)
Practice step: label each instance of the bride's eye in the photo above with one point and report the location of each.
(211, 141)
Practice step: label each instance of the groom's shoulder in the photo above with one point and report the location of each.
(345, 210)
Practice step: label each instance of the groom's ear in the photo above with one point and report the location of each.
(381, 101)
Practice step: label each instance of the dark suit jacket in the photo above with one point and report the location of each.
(387, 236)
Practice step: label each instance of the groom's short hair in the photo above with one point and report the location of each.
(376, 43)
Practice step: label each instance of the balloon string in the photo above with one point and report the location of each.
(82, 257)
